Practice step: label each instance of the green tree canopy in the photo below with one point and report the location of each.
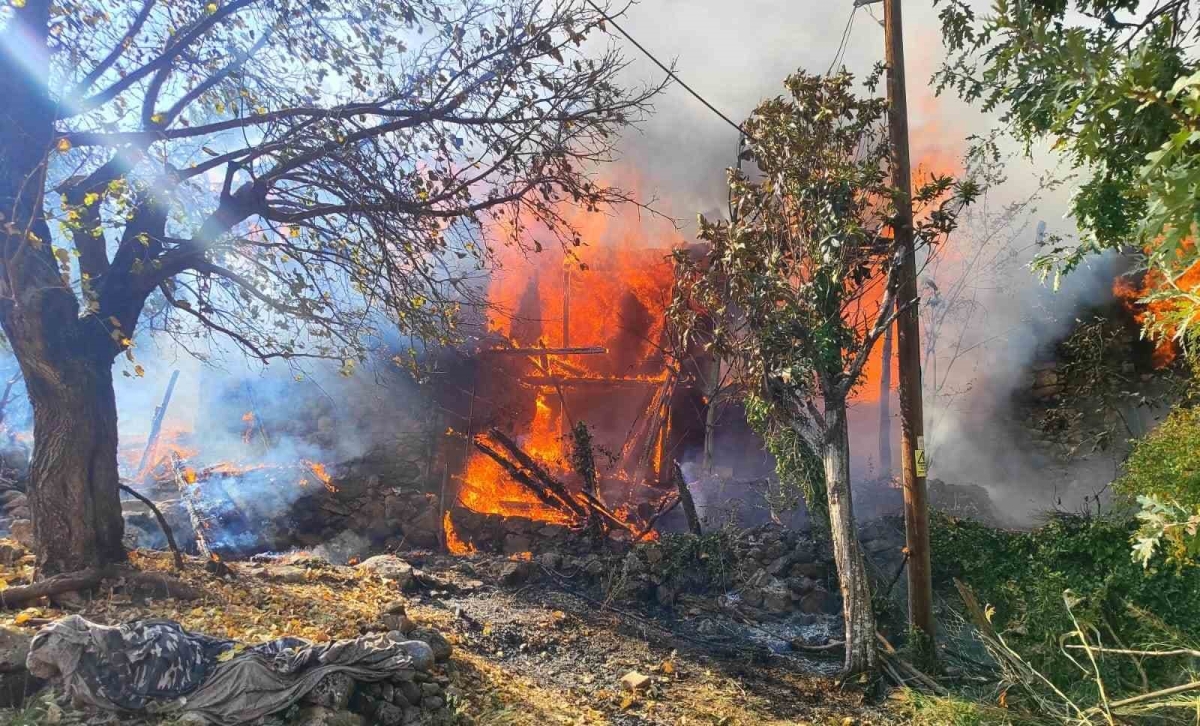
(1114, 86)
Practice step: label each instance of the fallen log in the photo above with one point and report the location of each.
(56, 585)
(198, 523)
(161, 585)
(162, 522)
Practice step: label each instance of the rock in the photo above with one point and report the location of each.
(16, 686)
(387, 692)
(22, 531)
(436, 641)
(551, 560)
(594, 566)
(515, 544)
(433, 703)
(759, 579)
(665, 594)
(290, 574)
(633, 564)
(401, 623)
(430, 689)
(514, 572)
(818, 601)
(654, 555)
(14, 648)
(808, 569)
(388, 567)
(319, 716)
(333, 691)
(780, 565)
(632, 681)
(412, 716)
(801, 585)
(388, 714)
(410, 692)
(776, 597)
(422, 653)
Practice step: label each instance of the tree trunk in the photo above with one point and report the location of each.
(73, 482)
(847, 552)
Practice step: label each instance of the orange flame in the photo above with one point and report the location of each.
(1133, 291)
(454, 543)
(611, 292)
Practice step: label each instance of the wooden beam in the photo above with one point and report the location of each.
(586, 381)
(586, 350)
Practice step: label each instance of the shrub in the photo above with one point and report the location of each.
(1024, 575)
(1166, 463)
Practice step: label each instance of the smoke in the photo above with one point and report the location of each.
(1001, 317)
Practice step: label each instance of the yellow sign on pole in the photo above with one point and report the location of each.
(919, 455)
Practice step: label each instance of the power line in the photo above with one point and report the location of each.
(668, 71)
(845, 42)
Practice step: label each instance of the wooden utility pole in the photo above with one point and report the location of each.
(908, 333)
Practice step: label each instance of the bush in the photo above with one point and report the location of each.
(1166, 463)
(1024, 575)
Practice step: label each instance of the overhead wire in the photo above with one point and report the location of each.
(669, 71)
(844, 44)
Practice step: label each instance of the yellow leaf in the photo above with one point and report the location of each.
(139, 371)
(156, 118)
(211, 7)
(17, 3)
(3, 585)
(63, 145)
(294, 232)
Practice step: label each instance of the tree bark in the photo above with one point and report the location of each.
(74, 487)
(847, 552)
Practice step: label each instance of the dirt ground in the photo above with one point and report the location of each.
(539, 653)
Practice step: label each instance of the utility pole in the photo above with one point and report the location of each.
(908, 333)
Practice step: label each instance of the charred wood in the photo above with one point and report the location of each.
(685, 498)
(156, 427)
(525, 460)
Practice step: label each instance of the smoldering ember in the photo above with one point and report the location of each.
(527, 362)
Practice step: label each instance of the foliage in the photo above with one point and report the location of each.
(926, 710)
(1163, 476)
(797, 465)
(794, 290)
(1120, 98)
(1166, 463)
(288, 175)
(702, 562)
(1024, 576)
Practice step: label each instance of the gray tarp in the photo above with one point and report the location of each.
(155, 666)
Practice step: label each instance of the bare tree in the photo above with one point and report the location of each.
(289, 175)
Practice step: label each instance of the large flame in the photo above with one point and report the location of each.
(612, 293)
(1133, 291)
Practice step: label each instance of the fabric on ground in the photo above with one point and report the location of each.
(156, 666)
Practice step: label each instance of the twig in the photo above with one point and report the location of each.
(1091, 657)
(162, 522)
